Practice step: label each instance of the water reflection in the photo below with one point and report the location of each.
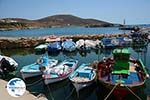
(11, 52)
(64, 90)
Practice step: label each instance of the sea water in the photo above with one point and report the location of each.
(64, 90)
(60, 31)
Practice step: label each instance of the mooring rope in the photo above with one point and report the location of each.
(133, 93)
(110, 92)
(70, 94)
(50, 93)
(28, 85)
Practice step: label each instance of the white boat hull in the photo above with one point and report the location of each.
(30, 74)
(49, 81)
(80, 86)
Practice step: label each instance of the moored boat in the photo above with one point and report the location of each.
(60, 72)
(69, 45)
(115, 42)
(7, 64)
(54, 47)
(85, 45)
(91, 44)
(121, 72)
(83, 76)
(41, 48)
(80, 45)
(36, 69)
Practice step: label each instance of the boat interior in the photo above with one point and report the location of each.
(133, 74)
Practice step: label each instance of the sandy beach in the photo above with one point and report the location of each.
(5, 96)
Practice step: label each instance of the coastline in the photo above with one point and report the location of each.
(31, 42)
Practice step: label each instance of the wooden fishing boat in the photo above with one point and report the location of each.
(83, 76)
(108, 43)
(60, 72)
(92, 44)
(41, 48)
(54, 47)
(86, 45)
(122, 72)
(35, 69)
(69, 45)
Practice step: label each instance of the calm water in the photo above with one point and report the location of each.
(64, 90)
(60, 31)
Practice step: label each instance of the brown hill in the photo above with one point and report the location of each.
(51, 21)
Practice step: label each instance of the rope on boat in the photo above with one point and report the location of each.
(133, 93)
(111, 92)
(28, 85)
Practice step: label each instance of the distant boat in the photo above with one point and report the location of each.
(54, 47)
(69, 45)
(7, 64)
(36, 69)
(115, 42)
(52, 38)
(126, 27)
(85, 45)
(83, 76)
(121, 72)
(60, 72)
(41, 47)
(139, 37)
(80, 45)
(91, 44)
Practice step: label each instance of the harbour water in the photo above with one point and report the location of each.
(60, 31)
(64, 90)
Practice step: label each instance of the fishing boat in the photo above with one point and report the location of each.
(54, 47)
(36, 69)
(7, 64)
(60, 72)
(85, 45)
(91, 44)
(126, 27)
(121, 73)
(83, 76)
(109, 43)
(80, 45)
(41, 48)
(139, 36)
(69, 45)
(52, 38)
(115, 42)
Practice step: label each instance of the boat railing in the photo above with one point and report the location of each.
(143, 66)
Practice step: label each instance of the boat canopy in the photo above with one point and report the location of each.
(124, 51)
(68, 44)
(55, 45)
(121, 57)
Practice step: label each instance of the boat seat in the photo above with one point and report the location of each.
(84, 73)
(121, 72)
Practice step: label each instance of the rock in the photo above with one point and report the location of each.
(19, 43)
(10, 43)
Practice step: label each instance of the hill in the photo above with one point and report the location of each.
(51, 21)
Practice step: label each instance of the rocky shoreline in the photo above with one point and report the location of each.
(26, 42)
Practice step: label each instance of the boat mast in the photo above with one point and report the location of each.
(124, 22)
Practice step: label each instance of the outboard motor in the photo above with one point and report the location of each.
(5, 67)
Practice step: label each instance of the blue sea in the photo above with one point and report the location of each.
(60, 31)
(64, 90)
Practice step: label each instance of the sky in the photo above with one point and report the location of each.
(133, 11)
